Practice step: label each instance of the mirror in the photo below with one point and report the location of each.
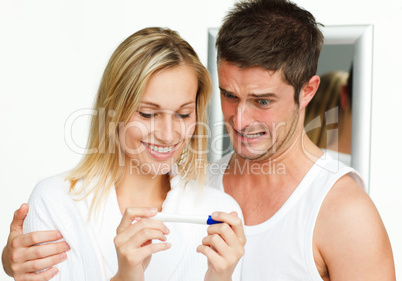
(356, 38)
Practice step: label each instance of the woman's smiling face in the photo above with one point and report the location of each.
(164, 122)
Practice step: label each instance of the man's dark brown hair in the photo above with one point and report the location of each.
(274, 35)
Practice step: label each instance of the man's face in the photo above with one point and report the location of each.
(259, 110)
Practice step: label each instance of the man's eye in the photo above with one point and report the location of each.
(263, 102)
(228, 96)
(146, 115)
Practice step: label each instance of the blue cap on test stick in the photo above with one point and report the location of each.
(211, 221)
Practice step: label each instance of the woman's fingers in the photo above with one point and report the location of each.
(227, 237)
(132, 213)
(220, 249)
(212, 256)
(141, 230)
(234, 222)
(134, 241)
(224, 245)
(138, 255)
(139, 238)
(134, 238)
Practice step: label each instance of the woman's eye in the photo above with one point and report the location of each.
(182, 116)
(146, 115)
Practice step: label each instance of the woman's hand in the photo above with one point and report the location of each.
(224, 246)
(134, 242)
(22, 258)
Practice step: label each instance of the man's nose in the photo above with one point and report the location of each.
(243, 117)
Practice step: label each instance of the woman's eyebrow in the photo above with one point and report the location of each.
(158, 106)
(150, 104)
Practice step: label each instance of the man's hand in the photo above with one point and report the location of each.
(22, 257)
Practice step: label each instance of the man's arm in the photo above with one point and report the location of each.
(350, 240)
(22, 257)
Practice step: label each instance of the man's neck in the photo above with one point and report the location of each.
(261, 188)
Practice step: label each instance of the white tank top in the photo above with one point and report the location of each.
(281, 248)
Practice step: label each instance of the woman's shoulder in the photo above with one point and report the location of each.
(215, 195)
(51, 188)
(200, 199)
(219, 201)
(50, 205)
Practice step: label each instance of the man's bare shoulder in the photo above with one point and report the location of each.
(350, 240)
(346, 197)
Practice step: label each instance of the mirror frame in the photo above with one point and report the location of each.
(361, 37)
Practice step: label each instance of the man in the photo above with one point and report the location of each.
(306, 216)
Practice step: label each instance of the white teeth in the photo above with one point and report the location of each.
(159, 149)
(252, 136)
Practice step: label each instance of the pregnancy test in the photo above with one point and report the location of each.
(183, 218)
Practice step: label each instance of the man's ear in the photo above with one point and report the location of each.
(308, 91)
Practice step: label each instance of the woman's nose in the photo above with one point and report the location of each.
(167, 130)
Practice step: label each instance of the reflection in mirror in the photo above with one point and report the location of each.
(356, 43)
(328, 116)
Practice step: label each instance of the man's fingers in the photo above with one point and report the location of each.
(46, 250)
(36, 237)
(41, 264)
(46, 275)
(18, 219)
(42, 276)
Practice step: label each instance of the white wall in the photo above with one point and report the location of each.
(52, 54)
(386, 176)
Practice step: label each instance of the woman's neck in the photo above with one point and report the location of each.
(142, 190)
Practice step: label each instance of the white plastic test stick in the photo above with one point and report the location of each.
(183, 218)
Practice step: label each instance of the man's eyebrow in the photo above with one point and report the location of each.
(254, 95)
(223, 90)
(265, 95)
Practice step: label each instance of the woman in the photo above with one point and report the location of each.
(149, 143)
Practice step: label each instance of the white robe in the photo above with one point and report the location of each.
(93, 254)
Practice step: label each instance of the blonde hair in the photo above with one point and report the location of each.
(121, 89)
(326, 98)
